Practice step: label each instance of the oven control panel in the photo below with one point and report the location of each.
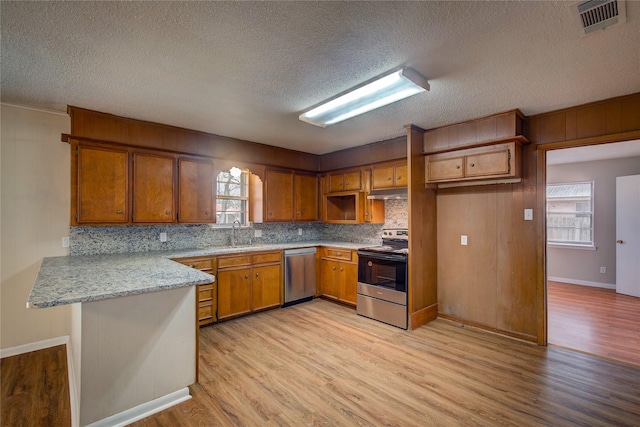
(395, 233)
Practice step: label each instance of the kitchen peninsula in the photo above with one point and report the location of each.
(134, 316)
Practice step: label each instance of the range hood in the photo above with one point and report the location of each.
(391, 193)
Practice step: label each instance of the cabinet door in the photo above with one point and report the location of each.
(278, 196)
(347, 280)
(488, 164)
(328, 276)
(382, 177)
(352, 181)
(306, 200)
(153, 188)
(195, 189)
(266, 287)
(445, 169)
(102, 185)
(400, 178)
(336, 182)
(234, 292)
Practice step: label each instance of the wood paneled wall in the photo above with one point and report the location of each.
(392, 149)
(94, 125)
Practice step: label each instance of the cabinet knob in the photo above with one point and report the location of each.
(334, 267)
(167, 212)
(270, 213)
(389, 179)
(399, 177)
(619, 242)
(206, 212)
(192, 266)
(119, 211)
(366, 214)
(257, 274)
(472, 164)
(338, 253)
(341, 269)
(457, 166)
(298, 213)
(246, 276)
(346, 183)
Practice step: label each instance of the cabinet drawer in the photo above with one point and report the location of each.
(266, 257)
(445, 169)
(343, 254)
(205, 313)
(234, 261)
(205, 293)
(203, 264)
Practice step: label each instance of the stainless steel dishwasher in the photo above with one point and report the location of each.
(299, 275)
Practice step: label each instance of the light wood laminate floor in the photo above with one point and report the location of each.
(594, 320)
(319, 363)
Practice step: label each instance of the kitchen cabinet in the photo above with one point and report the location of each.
(101, 185)
(123, 185)
(373, 209)
(290, 196)
(389, 176)
(196, 197)
(248, 282)
(339, 275)
(499, 161)
(206, 294)
(306, 198)
(153, 188)
(345, 181)
(344, 208)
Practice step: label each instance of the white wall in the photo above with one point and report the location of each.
(34, 216)
(583, 266)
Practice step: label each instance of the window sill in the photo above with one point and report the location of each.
(227, 226)
(570, 246)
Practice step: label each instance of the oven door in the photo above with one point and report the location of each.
(386, 270)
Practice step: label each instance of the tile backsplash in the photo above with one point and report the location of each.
(92, 240)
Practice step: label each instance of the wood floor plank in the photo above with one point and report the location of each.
(320, 364)
(594, 320)
(35, 389)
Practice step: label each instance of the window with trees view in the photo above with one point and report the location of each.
(570, 213)
(232, 200)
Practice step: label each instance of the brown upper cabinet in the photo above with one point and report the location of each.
(501, 161)
(196, 196)
(113, 184)
(154, 188)
(100, 186)
(345, 181)
(290, 196)
(389, 176)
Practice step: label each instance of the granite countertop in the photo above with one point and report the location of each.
(72, 279)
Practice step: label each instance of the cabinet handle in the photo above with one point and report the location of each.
(167, 212)
(119, 211)
(619, 242)
(472, 164)
(338, 253)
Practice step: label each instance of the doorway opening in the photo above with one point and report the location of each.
(584, 310)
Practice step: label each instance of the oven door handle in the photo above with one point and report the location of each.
(384, 257)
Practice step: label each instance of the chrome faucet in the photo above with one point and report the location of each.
(234, 233)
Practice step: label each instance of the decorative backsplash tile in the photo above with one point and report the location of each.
(94, 240)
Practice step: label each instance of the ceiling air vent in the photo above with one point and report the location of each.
(599, 14)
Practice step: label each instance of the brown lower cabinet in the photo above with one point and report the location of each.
(207, 294)
(339, 275)
(249, 282)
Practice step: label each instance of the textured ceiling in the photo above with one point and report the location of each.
(247, 69)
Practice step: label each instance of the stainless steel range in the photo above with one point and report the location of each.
(382, 279)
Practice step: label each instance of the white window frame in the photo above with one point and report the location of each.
(245, 214)
(566, 243)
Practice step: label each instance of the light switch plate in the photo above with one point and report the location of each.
(65, 242)
(463, 240)
(299, 231)
(528, 214)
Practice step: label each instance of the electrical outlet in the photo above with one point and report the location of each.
(299, 231)
(528, 214)
(257, 233)
(65, 242)
(463, 240)
(163, 237)
(603, 270)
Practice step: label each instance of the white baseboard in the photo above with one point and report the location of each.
(582, 282)
(34, 346)
(146, 409)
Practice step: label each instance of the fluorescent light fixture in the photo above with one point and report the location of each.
(384, 90)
